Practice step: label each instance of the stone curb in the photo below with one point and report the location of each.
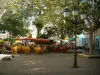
(89, 56)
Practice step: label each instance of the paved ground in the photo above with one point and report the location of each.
(49, 64)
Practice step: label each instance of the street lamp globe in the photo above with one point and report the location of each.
(66, 12)
(75, 12)
(83, 15)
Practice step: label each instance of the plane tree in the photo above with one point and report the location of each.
(14, 24)
(92, 19)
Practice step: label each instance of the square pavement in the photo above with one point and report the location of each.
(49, 64)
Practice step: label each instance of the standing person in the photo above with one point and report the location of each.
(86, 48)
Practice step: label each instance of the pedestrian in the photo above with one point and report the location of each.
(86, 48)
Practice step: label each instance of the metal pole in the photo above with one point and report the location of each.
(75, 53)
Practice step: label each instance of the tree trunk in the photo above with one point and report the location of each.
(94, 43)
(61, 42)
(90, 42)
(38, 34)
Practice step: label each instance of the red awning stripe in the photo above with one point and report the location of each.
(36, 40)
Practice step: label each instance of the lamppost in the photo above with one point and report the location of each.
(75, 13)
